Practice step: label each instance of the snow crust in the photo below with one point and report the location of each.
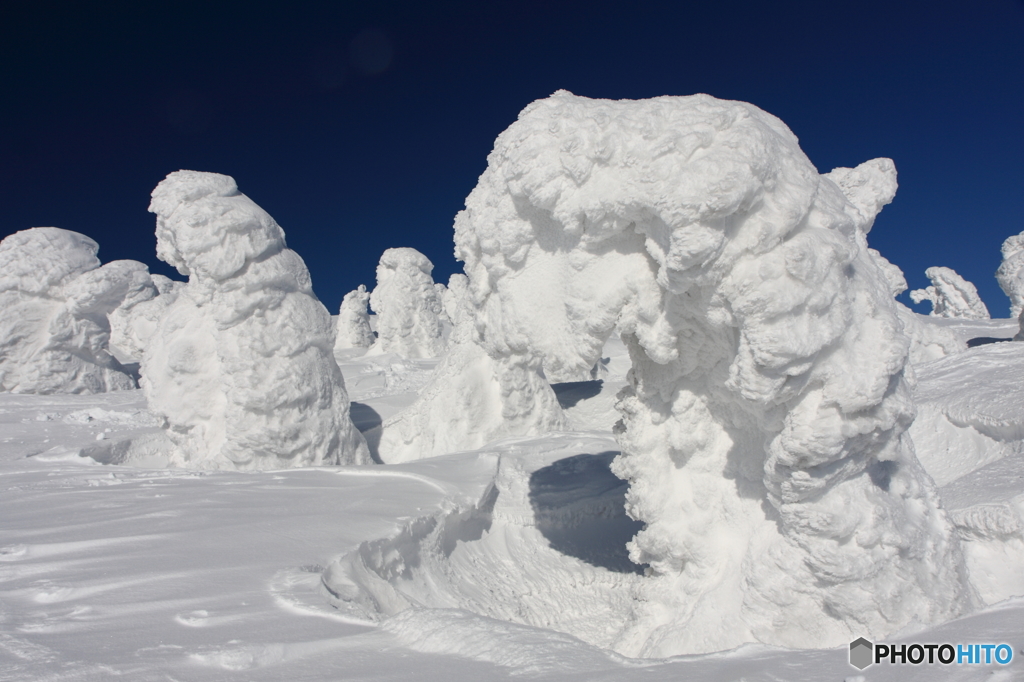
(408, 306)
(354, 321)
(54, 301)
(951, 296)
(767, 397)
(241, 366)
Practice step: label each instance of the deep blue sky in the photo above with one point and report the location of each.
(363, 125)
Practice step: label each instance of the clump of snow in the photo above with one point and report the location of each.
(763, 428)
(407, 305)
(951, 296)
(354, 321)
(133, 322)
(1010, 274)
(241, 366)
(140, 289)
(54, 301)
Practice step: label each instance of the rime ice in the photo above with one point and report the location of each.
(407, 305)
(951, 296)
(763, 430)
(241, 364)
(54, 301)
(353, 321)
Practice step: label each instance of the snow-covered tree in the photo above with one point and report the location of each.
(241, 366)
(1010, 274)
(354, 321)
(763, 428)
(951, 296)
(407, 305)
(54, 301)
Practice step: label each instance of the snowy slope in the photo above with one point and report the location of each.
(144, 573)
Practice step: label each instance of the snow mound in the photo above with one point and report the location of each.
(763, 427)
(407, 305)
(54, 301)
(951, 296)
(354, 321)
(241, 366)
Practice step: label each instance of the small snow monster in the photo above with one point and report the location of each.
(407, 305)
(763, 431)
(951, 296)
(354, 322)
(241, 366)
(1010, 274)
(54, 301)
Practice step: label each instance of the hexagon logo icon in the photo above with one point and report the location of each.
(861, 653)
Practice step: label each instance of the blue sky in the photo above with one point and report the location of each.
(362, 126)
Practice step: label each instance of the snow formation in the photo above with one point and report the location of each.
(133, 322)
(927, 341)
(354, 322)
(54, 301)
(1010, 274)
(951, 296)
(241, 366)
(407, 305)
(763, 428)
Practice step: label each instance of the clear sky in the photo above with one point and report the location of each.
(363, 125)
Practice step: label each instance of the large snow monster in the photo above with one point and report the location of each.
(763, 431)
(241, 366)
(54, 301)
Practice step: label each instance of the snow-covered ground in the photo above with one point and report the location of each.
(469, 566)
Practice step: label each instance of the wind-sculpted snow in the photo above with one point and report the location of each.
(407, 305)
(763, 428)
(133, 322)
(951, 296)
(354, 322)
(54, 301)
(241, 366)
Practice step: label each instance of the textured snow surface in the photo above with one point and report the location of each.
(54, 301)
(510, 557)
(951, 296)
(408, 306)
(767, 398)
(241, 366)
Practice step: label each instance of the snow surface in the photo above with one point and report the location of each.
(241, 366)
(54, 301)
(951, 296)
(130, 572)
